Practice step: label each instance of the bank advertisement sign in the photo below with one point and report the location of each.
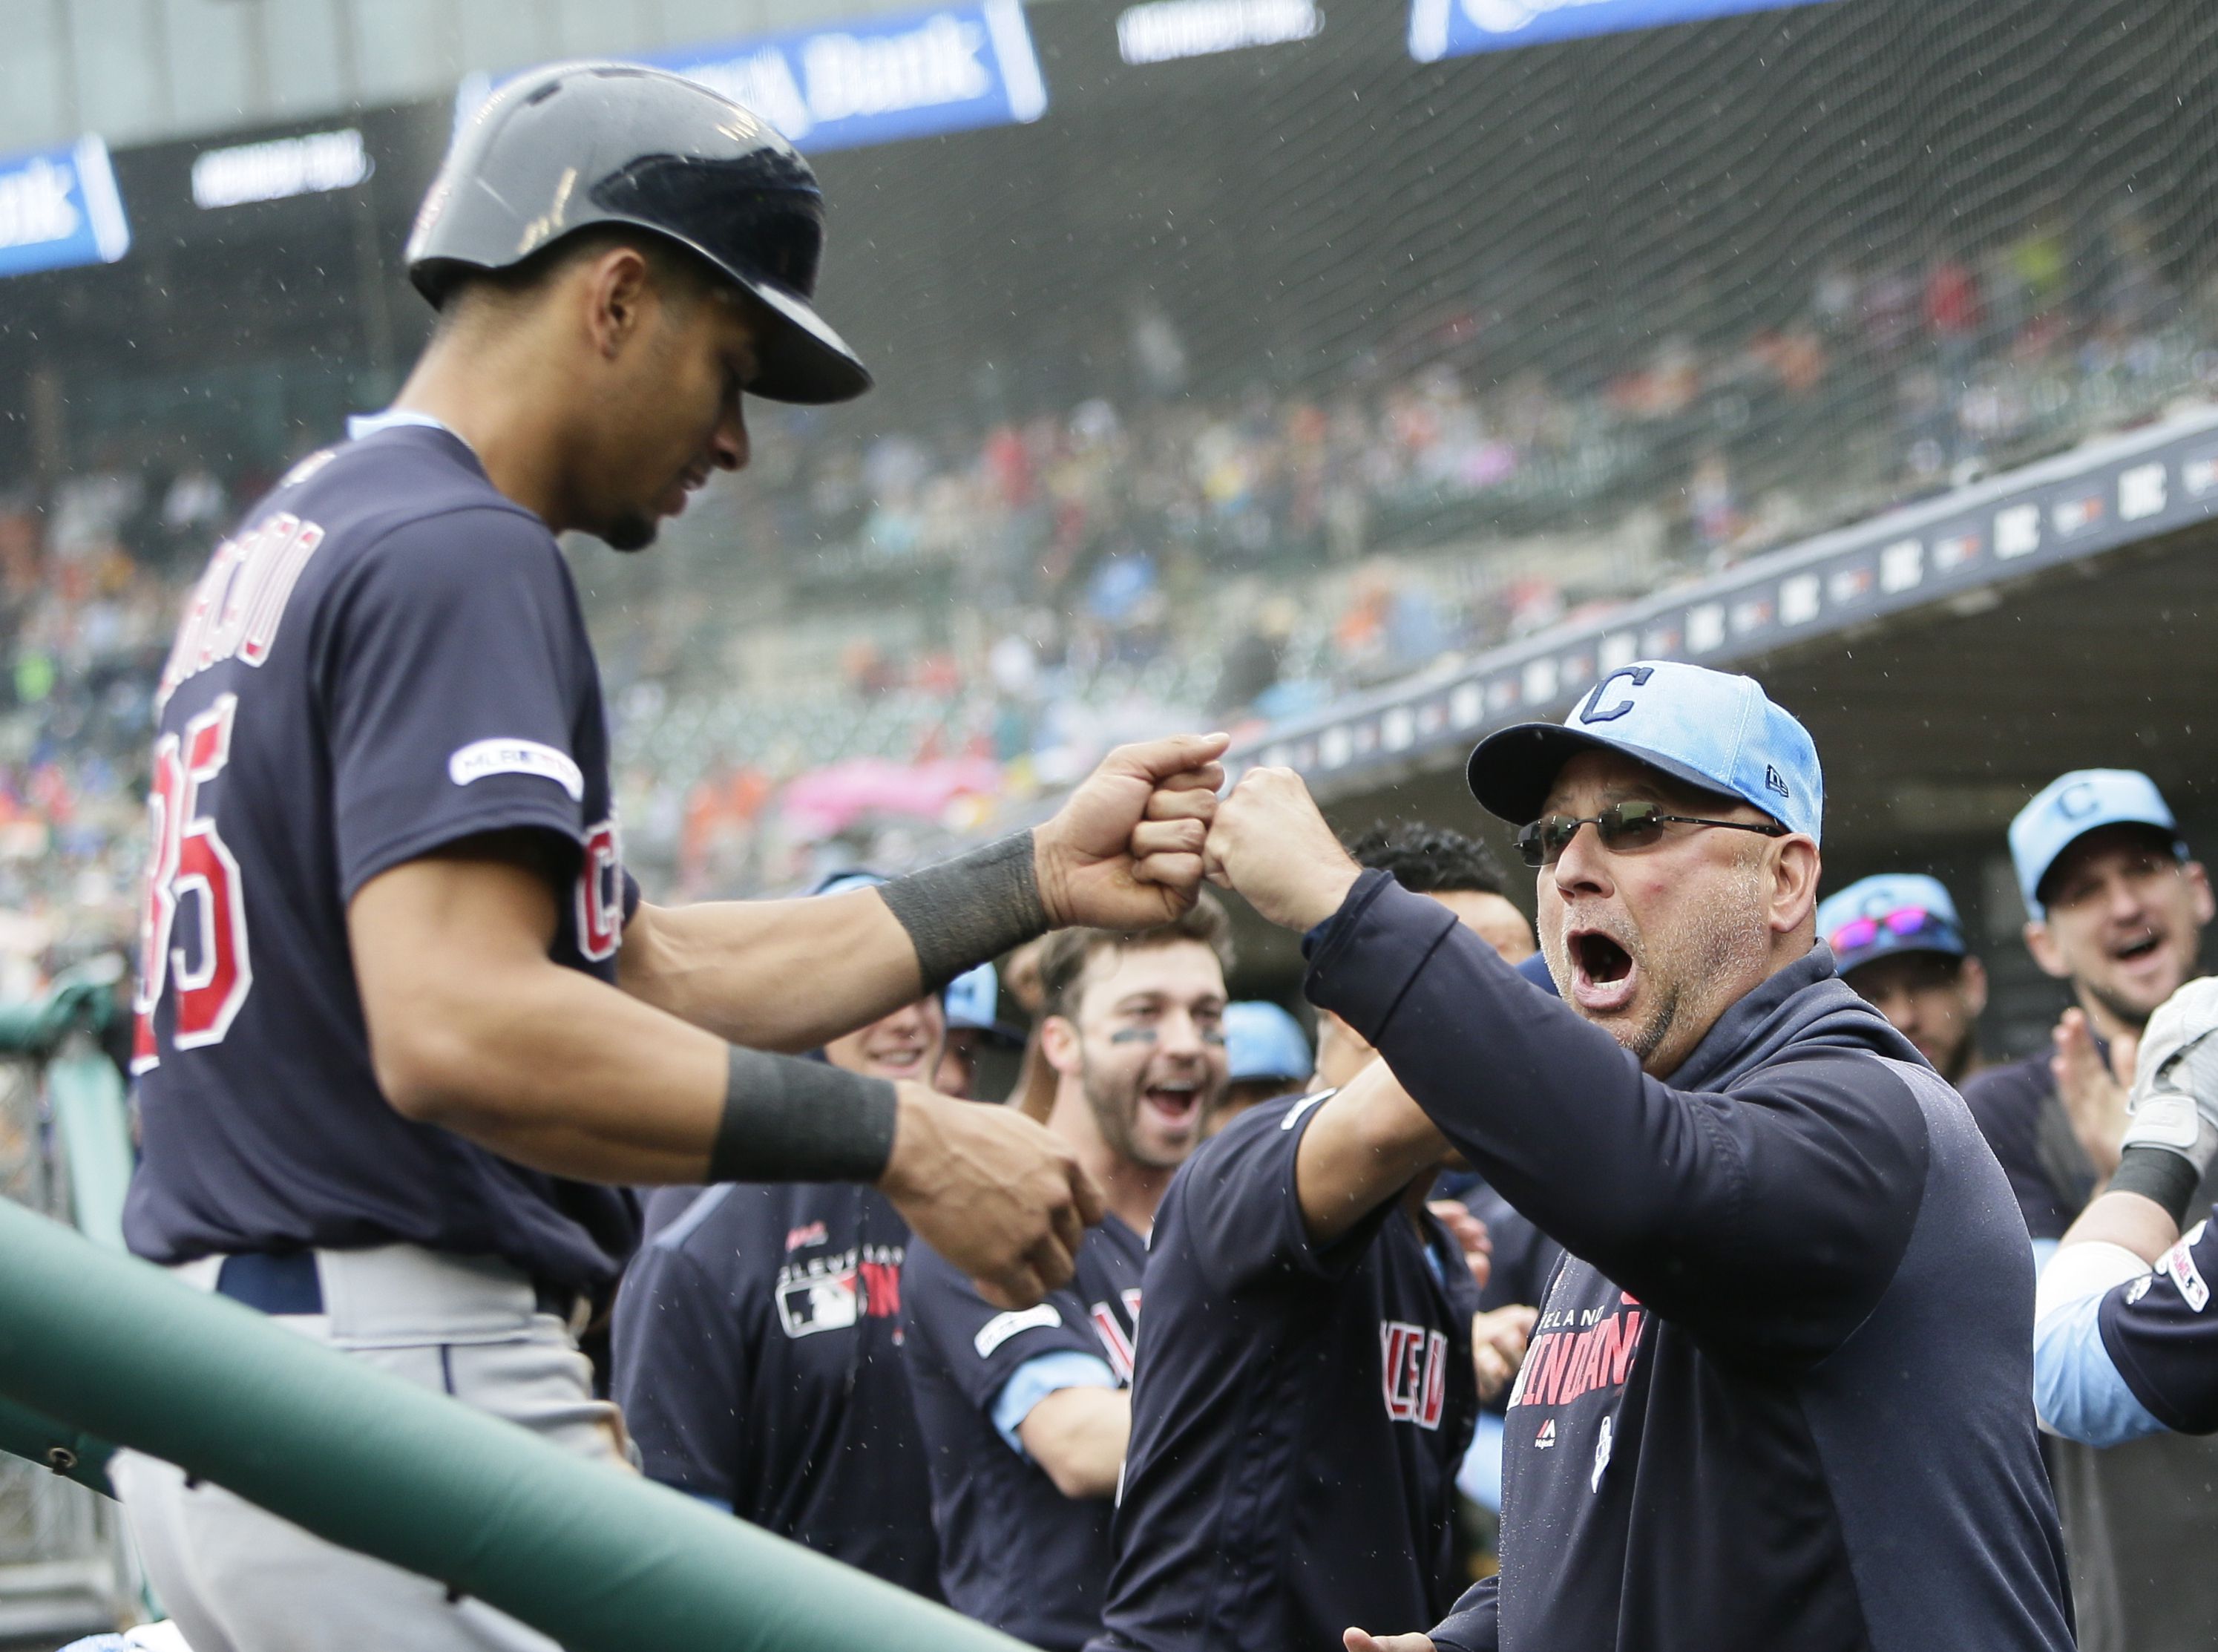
(58, 209)
(1449, 28)
(907, 75)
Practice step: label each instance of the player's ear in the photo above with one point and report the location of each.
(1059, 1043)
(615, 292)
(2046, 952)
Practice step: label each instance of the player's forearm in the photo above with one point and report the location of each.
(773, 975)
(1078, 1437)
(558, 1072)
(1366, 1145)
(2128, 1221)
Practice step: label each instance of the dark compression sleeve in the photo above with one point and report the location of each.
(791, 1119)
(964, 911)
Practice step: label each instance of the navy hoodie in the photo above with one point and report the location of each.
(1780, 1393)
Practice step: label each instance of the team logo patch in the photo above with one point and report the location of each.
(2179, 1268)
(483, 757)
(998, 1329)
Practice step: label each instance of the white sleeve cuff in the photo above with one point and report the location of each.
(2076, 1272)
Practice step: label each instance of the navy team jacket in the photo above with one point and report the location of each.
(1780, 1396)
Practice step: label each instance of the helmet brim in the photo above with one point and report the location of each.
(801, 359)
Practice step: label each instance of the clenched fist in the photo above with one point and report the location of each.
(1124, 851)
(1269, 843)
(990, 1190)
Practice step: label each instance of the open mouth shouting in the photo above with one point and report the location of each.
(1175, 1105)
(1605, 975)
(2139, 953)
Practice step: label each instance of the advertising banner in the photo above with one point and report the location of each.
(1449, 28)
(907, 75)
(58, 209)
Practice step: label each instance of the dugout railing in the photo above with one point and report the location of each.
(65, 1568)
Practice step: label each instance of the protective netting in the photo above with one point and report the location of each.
(1166, 375)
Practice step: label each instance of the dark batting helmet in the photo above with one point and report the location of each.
(561, 149)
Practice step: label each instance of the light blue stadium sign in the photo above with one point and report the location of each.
(908, 75)
(58, 209)
(1449, 28)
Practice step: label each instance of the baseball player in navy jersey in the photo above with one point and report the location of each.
(1777, 1395)
(1313, 1360)
(1025, 1414)
(757, 1336)
(402, 1020)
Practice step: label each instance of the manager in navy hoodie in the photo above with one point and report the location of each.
(1779, 1393)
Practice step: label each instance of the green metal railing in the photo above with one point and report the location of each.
(95, 1346)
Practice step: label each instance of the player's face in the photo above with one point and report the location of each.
(1931, 999)
(1150, 1026)
(1652, 944)
(674, 417)
(2125, 920)
(904, 1045)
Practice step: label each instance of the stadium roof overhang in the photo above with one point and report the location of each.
(1949, 658)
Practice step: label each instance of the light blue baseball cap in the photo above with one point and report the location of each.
(1897, 912)
(1708, 729)
(2071, 806)
(1261, 1040)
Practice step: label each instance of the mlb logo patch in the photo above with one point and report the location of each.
(821, 1302)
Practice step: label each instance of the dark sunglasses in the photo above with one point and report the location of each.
(1902, 923)
(1620, 826)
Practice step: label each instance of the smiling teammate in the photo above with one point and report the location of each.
(1897, 940)
(1025, 1415)
(1776, 1396)
(404, 1028)
(2116, 907)
(758, 1342)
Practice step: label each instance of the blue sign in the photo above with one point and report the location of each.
(58, 209)
(910, 74)
(1449, 28)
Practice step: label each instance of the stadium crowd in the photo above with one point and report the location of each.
(1679, 1221)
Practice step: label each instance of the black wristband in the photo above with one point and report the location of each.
(2157, 1174)
(964, 911)
(790, 1120)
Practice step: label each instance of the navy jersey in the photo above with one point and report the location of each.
(1015, 1552)
(1299, 1413)
(758, 1362)
(386, 657)
(2019, 1111)
(1778, 1393)
(2161, 1332)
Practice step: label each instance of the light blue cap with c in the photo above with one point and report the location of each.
(2071, 806)
(1709, 729)
(1261, 1040)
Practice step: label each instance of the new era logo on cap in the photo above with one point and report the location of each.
(1708, 729)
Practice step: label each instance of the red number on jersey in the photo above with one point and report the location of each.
(192, 875)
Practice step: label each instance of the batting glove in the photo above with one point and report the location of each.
(2175, 1099)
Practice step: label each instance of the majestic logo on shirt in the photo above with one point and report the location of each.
(236, 607)
(2178, 1266)
(837, 1293)
(483, 757)
(1114, 1342)
(1414, 1368)
(1579, 1352)
(1546, 1437)
(807, 1233)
